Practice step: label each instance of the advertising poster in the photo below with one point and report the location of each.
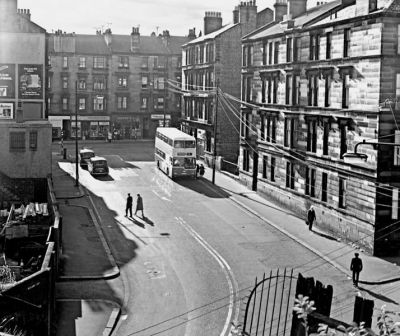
(30, 81)
(7, 80)
(6, 111)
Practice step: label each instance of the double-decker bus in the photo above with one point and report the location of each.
(175, 152)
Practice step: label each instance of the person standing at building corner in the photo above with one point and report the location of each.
(356, 266)
(129, 201)
(311, 217)
(139, 205)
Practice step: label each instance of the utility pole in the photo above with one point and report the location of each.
(76, 136)
(215, 131)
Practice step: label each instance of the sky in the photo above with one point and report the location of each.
(87, 16)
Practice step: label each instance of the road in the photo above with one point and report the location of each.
(187, 267)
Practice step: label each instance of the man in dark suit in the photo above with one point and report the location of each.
(356, 266)
(129, 201)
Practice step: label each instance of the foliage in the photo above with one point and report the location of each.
(6, 276)
(303, 307)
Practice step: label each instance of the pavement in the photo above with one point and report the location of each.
(82, 232)
(85, 256)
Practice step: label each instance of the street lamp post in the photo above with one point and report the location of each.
(355, 157)
(76, 136)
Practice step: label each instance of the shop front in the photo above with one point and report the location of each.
(90, 127)
(157, 120)
(126, 127)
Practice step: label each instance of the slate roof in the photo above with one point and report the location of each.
(300, 21)
(96, 45)
(213, 34)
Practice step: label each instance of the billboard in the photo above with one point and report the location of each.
(30, 81)
(6, 110)
(7, 81)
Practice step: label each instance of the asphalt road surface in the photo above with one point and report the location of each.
(189, 264)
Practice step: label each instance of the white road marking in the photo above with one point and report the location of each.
(233, 287)
(159, 196)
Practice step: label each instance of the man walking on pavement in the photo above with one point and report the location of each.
(139, 204)
(356, 266)
(129, 201)
(311, 217)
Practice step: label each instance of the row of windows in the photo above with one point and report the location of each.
(269, 89)
(270, 50)
(269, 171)
(199, 80)
(100, 62)
(100, 103)
(176, 143)
(199, 109)
(18, 141)
(291, 129)
(199, 54)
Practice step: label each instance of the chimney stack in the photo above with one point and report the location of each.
(296, 8)
(248, 16)
(108, 37)
(192, 34)
(135, 39)
(212, 22)
(8, 7)
(281, 9)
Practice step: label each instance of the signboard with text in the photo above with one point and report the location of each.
(6, 111)
(30, 81)
(7, 81)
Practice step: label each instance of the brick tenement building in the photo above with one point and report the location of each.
(210, 60)
(318, 82)
(25, 133)
(121, 83)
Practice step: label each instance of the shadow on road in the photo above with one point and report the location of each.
(378, 296)
(202, 186)
(105, 178)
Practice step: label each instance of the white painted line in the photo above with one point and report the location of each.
(233, 287)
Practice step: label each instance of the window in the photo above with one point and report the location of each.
(158, 103)
(314, 47)
(65, 104)
(263, 89)
(343, 139)
(65, 82)
(17, 141)
(313, 90)
(325, 142)
(296, 49)
(143, 102)
(269, 89)
(250, 55)
(269, 128)
(82, 62)
(244, 56)
(99, 103)
(328, 45)
(397, 106)
(122, 81)
(275, 95)
(342, 193)
(122, 102)
(289, 132)
(33, 137)
(289, 42)
(346, 42)
(398, 39)
(296, 90)
(264, 54)
(247, 88)
(270, 49)
(264, 167)
(312, 136)
(272, 169)
(145, 82)
(99, 83)
(324, 187)
(99, 62)
(246, 160)
(159, 83)
(310, 182)
(276, 53)
(65, 61)
(289, 89)
(49, 78)
(145, 62)
(345, 90)
(123, 62)
(289, 175)
(82, 84)
(395, 203)
(327, 90)
(82, 104)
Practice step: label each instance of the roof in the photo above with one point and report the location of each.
(96, 45)
(86, 150)
(175, 133)
(97, 158)
(213, 34)
(299, 22)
